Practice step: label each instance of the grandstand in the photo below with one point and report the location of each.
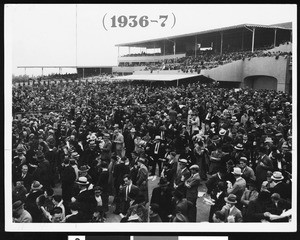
(245, 55)
(256, 56)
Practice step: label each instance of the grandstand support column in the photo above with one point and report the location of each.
(275, 32)
(42, 72)
(118, 51)
(174, 51)
(253, 39)
(221, 47)
(242, 41)
(195, 46)
(25, 70)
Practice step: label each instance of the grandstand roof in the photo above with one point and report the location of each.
(283, 26)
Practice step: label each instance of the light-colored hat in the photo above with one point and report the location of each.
(157, 137)
(132, 130)
(233, 119)
(237, 171)
(268, 140)
(244, 159)
(195, 166)
(239, 147)
(82, 181)
(222, 132)
(277, 176)
(183, 161)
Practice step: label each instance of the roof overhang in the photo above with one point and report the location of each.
(146, 43)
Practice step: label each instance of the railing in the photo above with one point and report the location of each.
(150, 58)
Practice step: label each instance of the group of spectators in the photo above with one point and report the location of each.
(100, 142)
(209, 59)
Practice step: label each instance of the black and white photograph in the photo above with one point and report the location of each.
(150, 118)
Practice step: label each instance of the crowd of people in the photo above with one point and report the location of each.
(100, 142)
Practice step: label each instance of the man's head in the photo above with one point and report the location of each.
(182, 163)
(57, 214)
(243, 162)
(98, 191)
(56, 199)
(127, 179)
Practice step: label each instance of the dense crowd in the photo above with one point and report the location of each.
(104, 140)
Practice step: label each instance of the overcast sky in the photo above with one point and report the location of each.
(46, 34)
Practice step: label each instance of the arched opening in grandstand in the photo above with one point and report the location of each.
(261, 82)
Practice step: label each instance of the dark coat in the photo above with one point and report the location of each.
(31, 206)
(164, 201)
(283, 189)
(256, 209)
(84, 199)
(27, 180)
(43, 173)
(68, 178)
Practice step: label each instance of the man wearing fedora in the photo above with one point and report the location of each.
(238, 187)
(30, 201)
(20, 215)
(231, 212)
(192, 184)
(157, 152)
(280, 187)
(182, 174)
(84, 198)
(162, 196)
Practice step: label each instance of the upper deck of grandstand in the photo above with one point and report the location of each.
(243, 37)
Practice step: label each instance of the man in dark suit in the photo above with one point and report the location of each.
(157, 152)
(162, 196)
(76, 215)
(103, 183)
(68, 178)
(43, 171)
(129, 192)
(280, 187)
(129, 142)
(120, 169)
(182, 175)
(25, 177)
(84, 198)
